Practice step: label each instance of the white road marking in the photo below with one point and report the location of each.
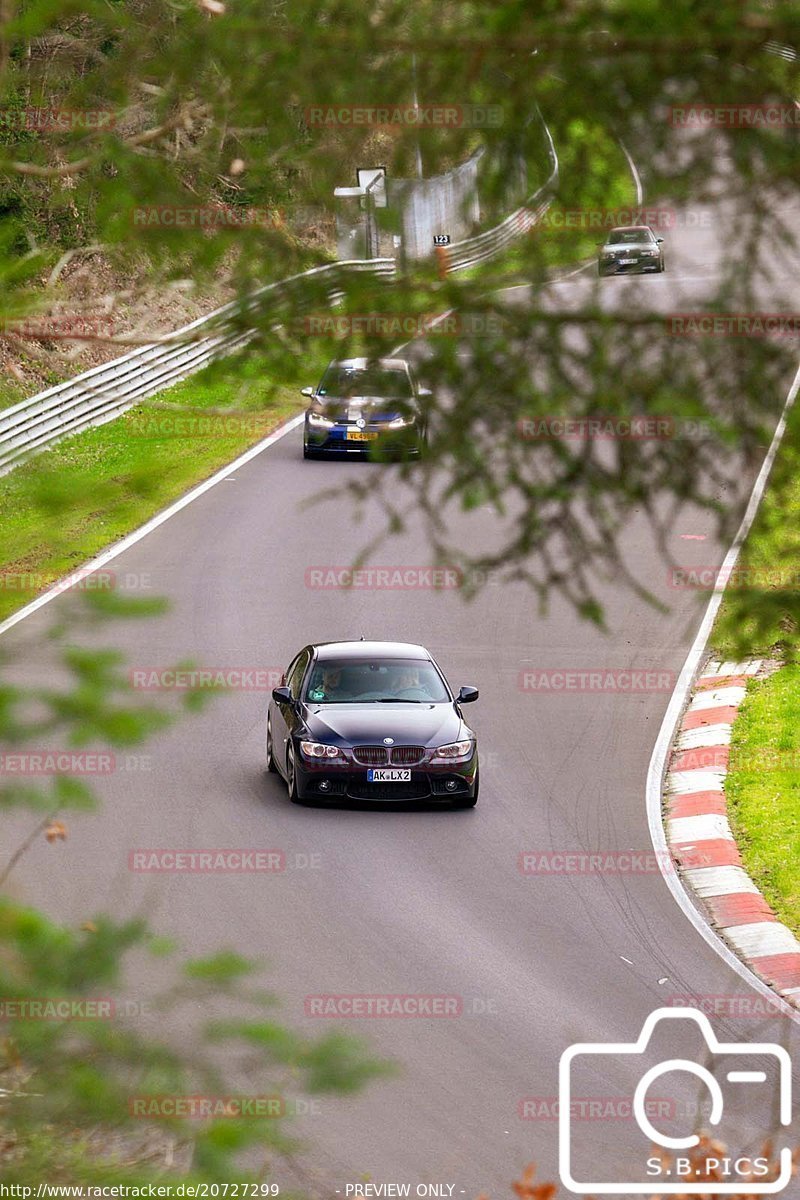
(762, 938)
(684, 783)
(131, 539)
(720, 881)
(705, 735)
(706, 827)
(724, 697)
(661, 749)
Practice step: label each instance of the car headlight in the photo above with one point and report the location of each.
(650, 252)
(319, 750)
(454, 751)
(400, 422)
(320, 421)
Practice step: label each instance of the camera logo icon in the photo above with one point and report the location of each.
(741, 1065)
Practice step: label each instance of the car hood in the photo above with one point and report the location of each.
(629, 246)
(371, 408)
(369, 724)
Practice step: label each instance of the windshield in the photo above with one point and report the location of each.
(626, 237)
(341, 383)
(346, 682)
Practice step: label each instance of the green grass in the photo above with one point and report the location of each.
(763, 789)
(760, 614)
(65, 505)
(11, 392)
(759, 617)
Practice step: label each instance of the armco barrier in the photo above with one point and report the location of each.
(485, 245)
(105, 392)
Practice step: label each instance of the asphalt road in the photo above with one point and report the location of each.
(414, 902)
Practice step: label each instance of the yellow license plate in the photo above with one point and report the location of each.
(360, 436)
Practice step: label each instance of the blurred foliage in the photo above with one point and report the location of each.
(208, 104)
(87, 1086)
(117, 112)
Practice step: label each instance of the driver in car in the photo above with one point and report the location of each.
(407, 681)
(329, 687)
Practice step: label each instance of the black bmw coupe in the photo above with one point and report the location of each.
(371, 721)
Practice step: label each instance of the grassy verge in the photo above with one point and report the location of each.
(760, 616)
(67, 504)
(763, 789)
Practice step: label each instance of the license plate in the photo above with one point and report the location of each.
(361, 437)
(626, 262)
(388, 775)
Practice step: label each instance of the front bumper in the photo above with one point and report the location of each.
(639, 267)
(444, 783)
(339, 441)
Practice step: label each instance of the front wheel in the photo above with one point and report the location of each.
(291, 776)
(271, 767)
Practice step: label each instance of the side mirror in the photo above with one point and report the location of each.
(282, 695)
(659, 239)
(307, 391)
(466, 695)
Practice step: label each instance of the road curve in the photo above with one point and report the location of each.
(412, 902)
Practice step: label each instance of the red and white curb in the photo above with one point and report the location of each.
(700, 837)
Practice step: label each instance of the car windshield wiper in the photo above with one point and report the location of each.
(398, 700)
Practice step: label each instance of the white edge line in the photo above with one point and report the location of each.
(131, 539)
(637, 179)
(656, 768)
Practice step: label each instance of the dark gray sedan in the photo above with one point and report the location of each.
(631, 250)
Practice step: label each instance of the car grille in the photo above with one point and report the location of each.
(371, 756)
(381, 756)
(388, 791)
(406, 756)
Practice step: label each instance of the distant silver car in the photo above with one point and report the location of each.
(631, 250)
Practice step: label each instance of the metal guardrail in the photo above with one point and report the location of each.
(107, 391)
(474, 250)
